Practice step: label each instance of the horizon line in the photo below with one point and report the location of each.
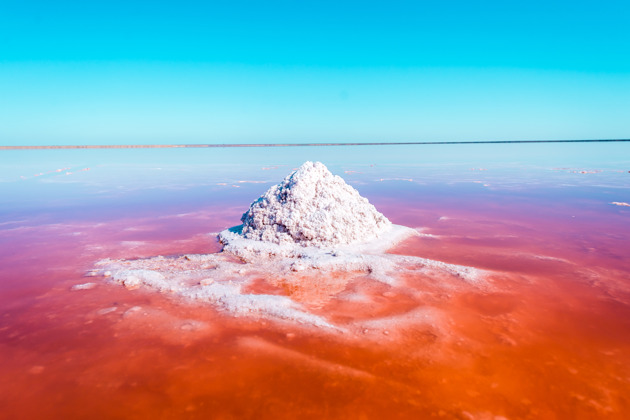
(225, 145)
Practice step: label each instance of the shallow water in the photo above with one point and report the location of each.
(548, 336)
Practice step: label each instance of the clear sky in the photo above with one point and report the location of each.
(134, 72)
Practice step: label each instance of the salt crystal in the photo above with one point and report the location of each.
(132, 282)
(84, 286)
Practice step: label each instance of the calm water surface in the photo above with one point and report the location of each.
(550, 339)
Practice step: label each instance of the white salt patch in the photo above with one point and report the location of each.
(84, 286)
(132, 244)
(470, 275)
(131, 311)
(544, 257)
(422, 233)
(133, 279)
(106, 311)
(131, 282)
(225, 295)
(395, 179)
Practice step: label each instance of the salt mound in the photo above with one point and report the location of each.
(311, 236)
(313, 207)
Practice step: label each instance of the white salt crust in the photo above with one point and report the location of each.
(307, 230)
(219, 280)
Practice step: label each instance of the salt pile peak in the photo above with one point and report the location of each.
(313, 207)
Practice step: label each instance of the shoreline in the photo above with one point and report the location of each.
(226, 145)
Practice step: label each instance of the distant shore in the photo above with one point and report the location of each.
(221, 145)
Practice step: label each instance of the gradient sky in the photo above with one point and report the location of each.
(135, 72)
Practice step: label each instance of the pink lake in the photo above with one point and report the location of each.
(550, 339)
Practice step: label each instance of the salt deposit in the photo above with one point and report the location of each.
(313, 207)
(226, 284)
(84, 286)
(311, 214)
(309, 238)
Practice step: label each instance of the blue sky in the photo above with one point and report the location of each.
(76, 72)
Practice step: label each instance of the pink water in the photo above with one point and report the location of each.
(549, 340)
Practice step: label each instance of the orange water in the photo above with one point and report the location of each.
(549, 340)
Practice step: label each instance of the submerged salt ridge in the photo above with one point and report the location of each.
(311, 232)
